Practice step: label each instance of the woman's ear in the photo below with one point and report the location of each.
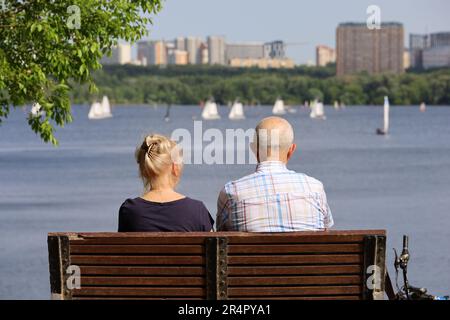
(176, 170)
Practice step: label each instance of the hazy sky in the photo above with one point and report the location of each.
(295, 21)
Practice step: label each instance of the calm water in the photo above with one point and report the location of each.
(400, 183)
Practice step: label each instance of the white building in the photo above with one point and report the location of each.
(437, 57)
(192, 46)
(216, 47)
(120, 54)
(247, 50)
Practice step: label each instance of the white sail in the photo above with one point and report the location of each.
(210, 111)
(336, 105)
(386, 115)
(237, 111)
(106, 107)
(278, 108)
(317, 110)
(100, 110)
(36, 109)
(423, 107)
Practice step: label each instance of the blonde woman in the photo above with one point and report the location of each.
(161, 208)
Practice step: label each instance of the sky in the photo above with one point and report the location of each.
(303, 23)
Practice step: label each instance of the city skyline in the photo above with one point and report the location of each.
(253, 20)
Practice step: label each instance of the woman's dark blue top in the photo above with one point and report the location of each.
(184, 215)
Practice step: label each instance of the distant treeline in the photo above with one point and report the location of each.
(192, 84)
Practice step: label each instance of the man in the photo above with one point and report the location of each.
(273, 199)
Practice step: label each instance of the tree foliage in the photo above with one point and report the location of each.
(45, 46)
(191, 84)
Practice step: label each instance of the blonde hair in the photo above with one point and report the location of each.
(156, 153)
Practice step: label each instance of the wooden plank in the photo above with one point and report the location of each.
(142, 271)
(339, 298)
(137, 260)
(294, 259)
(137, 249)
(293, 291)
(300, 248)
(143, 281)
(86, 235)
(139, 241)
(294, 270)
(297, 239)
(135, 298)
(198, 237)
(301, 280)
(138, 292)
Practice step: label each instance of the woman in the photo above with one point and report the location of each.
(161, 208)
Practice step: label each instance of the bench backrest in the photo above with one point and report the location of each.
(307, 265)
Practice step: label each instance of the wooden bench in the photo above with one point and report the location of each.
(333, 265)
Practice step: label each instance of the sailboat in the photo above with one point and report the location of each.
(100, 110)
(385, 129)
(278, 107)
(237, 111)
(423, 107)
(167, 116)
(210, 111)
(36, 109)
(336, 105)
(317, 111)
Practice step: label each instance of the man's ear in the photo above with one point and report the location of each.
(291, 151)
(254, 148)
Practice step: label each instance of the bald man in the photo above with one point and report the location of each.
(274, 198)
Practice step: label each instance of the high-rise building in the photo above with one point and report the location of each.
(417, 43)
(204, 53)
(275, 50)
(430, 50)
(440, 39)
(216, 47)
(246, 50)
(436, 57)
(359, 48)
(120, 54)
(325, 55)
(178, 57)
(143, 52)
(158, 53)
(152, 52)
(180, 43)
(192, 46)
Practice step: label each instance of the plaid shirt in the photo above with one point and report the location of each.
(273, 199)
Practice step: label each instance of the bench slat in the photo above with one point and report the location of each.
(287, 291)
(301, 280)
(137, 260)
(297, 270)
(135, 298)
(151, 240)
(143, 281)
(142, 271)
(137, 249)
(330, 297)
(295, 259)
(302, 248)
(149, 292)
